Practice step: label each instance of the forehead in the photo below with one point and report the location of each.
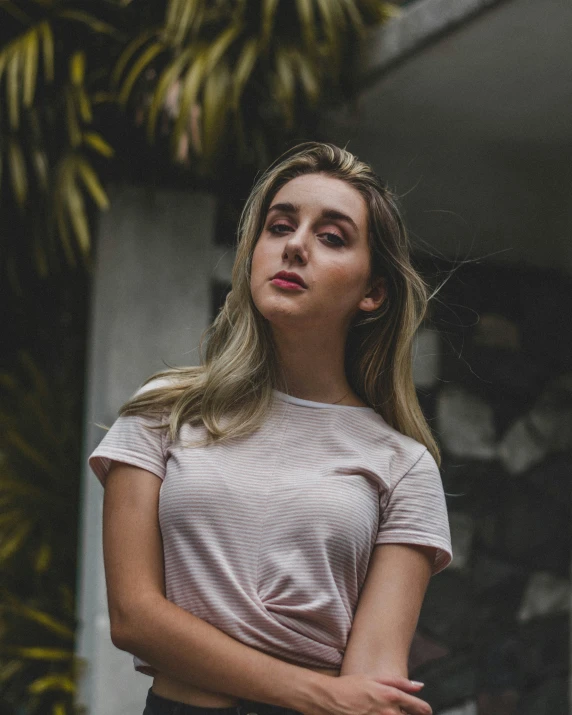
(317, 191)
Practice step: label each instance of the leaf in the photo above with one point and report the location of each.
(10, 669)
(39, 653)
(179, 19)
(43, 558)
(74, 131)
(144, 59)
(84, 104)
(40, 162)
(32, 454)
(334, 22)
(76, 211)
(48, 50)
(64, 234)
(307, 74)
(215, 108)
(218, 47)
(77, 68)
(18, 534)
(128, 52)
(30, 67)
(97, 142)
(305, 10)
(189, 91)
(40, 617)
(12, 88)
(51, 682)
(285, 84)
(267, 21)
(94, 23)
(244, 67)
(18, 171)
(169, 75)
(351, 7)
(91, 182)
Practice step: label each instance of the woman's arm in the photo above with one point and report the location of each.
(388, 610)
(146, 624)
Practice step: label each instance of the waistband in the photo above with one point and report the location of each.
(165, 706)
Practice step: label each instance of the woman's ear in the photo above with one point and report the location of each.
(375, 296)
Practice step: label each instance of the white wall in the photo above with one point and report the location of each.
(150, 302)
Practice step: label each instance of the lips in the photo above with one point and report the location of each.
(290, 277)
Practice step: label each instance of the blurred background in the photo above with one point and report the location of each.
(131, 132)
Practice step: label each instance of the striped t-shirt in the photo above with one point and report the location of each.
(268, 536)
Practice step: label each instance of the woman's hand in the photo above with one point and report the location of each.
(359, 694)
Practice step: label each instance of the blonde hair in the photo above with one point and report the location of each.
(230, 392)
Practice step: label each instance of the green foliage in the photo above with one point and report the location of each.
(218, 78)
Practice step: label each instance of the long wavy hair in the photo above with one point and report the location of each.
(230, 392)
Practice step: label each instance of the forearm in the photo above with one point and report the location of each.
(179, 643)
(370, 662)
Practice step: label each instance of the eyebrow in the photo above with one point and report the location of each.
(289, 208)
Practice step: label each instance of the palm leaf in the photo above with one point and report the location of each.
(220, 45)
(91, 21)
(285, 84)
(305, 10)
(12, 87)
(77, 68)
(97, 142)
(52, 682)
(76, 211)
(30, 66)
(190, 87)
(267, 23)
(48, 50)
(244, 67)
(18, 171)
(40, 653)
(168, 77)
(40, 163)
(139, 65)
(129, 52)
(308, 76)
(180, 17)
(215, 107)
(73, 127)
(91, 182)
(14, 542)
(14, 605)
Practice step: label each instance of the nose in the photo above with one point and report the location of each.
(295, 248)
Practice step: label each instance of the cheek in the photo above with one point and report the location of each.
(349, 280)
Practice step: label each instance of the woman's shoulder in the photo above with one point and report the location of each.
(158, 381)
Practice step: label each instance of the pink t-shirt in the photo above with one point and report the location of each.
(268, 536)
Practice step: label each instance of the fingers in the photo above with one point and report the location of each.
(396, 681)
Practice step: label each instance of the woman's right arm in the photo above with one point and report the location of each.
(146, 624)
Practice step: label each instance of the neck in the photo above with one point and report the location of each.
(312, 367)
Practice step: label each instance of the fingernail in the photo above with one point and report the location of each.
(416, 682)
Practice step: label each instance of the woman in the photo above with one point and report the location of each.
(272, 517)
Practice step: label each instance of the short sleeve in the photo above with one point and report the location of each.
(130, 439)
(415, 512)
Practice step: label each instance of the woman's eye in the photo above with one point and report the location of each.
(337, 240)
(273, 228)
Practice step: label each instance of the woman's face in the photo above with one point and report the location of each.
(316, 227)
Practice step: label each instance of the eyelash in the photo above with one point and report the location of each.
(285, 225)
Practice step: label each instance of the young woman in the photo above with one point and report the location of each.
(272, 517)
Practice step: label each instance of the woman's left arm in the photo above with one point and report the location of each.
(388, 610)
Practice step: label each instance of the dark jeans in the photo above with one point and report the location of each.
(158, 705)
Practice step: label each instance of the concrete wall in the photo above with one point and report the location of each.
(151, 301)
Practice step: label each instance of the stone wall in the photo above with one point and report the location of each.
(494, 629)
